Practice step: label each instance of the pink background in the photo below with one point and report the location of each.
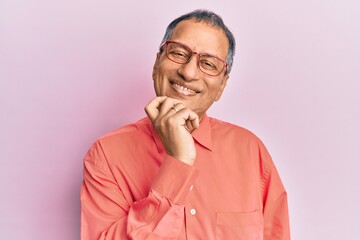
(70, 71)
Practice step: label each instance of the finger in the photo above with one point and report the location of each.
(152, 108)
(189, 126)
(194, 119)
(178, 107)
(166, 107)
(188, 118)
(174, 109)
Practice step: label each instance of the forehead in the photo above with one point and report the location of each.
(201, 37)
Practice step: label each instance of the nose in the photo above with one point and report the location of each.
(190, 71)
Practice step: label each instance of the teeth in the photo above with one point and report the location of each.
(184, 88)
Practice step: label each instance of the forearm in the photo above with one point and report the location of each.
(275, 204)
(276, 219)
(153, 217)
(164, 207)
(108, 214)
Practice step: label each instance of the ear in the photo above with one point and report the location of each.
(222, 86)
(157, 60)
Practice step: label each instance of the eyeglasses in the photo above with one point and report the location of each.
(182, 54)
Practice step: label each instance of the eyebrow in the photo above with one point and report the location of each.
(203, 53)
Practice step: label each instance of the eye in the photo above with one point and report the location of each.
(206, 64)
(178, 54)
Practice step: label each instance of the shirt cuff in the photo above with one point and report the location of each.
(174, 180)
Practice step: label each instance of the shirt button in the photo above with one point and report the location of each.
(191, 187)
(192, 211)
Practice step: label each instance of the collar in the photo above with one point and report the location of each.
(202, 135)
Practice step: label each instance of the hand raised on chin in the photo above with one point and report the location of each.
(174, 123)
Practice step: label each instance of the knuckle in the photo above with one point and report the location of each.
(186, 110)
(158, 125)
(161, 123)
(180, 106)
(146, 109)
(171, 121)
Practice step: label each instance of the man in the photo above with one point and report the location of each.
(180, 174)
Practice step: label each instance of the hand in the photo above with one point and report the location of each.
(174, 123)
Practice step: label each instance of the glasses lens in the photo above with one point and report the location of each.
(210, 65)
(178, 53)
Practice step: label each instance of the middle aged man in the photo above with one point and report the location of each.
(180, 174)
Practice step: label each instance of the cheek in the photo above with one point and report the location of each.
(216, 92)
(166, 68)
(154, 74)
(158, 73)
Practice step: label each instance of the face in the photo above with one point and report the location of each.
(187, 82)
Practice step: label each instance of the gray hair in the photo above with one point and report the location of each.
(211, 18)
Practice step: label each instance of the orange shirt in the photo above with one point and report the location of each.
(133, 190)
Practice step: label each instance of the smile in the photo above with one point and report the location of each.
(183, 90)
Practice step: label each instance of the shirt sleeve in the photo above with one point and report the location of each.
(275, 205)
(106, 213)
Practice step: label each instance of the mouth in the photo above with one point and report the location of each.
(184, 90)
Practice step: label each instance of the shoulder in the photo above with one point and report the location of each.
(127, 131)
(242, 141)
(236, 136)
(225, 129)
(123, 139)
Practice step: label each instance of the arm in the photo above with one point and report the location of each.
(106, 213)
(275, 205)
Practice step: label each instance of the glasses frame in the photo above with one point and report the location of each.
(165, 45)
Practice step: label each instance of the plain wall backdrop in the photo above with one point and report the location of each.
(71, 71)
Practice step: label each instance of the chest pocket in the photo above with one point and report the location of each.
(239, 225)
